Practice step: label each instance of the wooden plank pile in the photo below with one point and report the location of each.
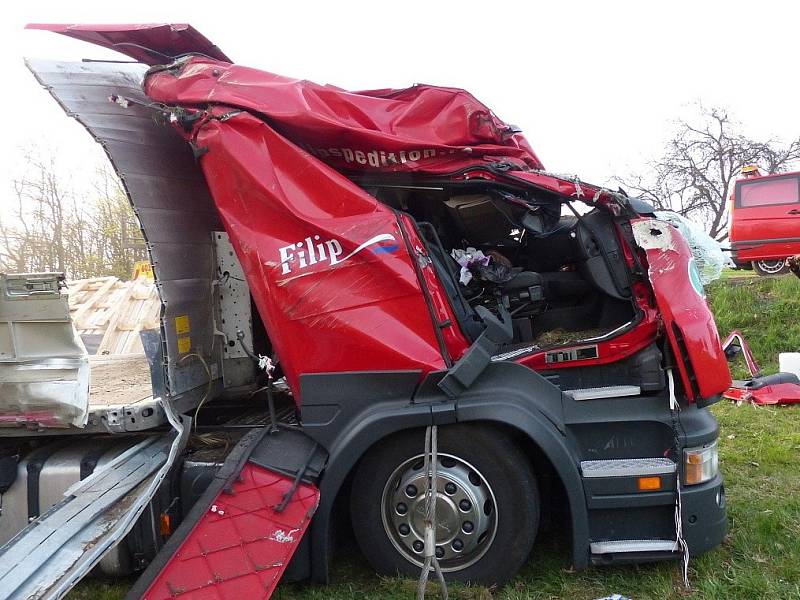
(114, 309)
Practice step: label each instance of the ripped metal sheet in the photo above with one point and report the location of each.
(689, 324)
(167, 191)
(47, 558)
(151, 43)
(44, 367)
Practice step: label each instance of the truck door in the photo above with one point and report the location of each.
(766, 218)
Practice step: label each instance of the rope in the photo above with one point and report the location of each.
(208, 386)
(431, 462)
(673, 400)
(680, 543)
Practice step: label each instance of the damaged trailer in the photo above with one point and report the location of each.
(338, 272)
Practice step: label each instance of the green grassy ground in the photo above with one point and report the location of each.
(760, 453)
(764, 309)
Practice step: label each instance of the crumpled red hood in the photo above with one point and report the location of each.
(423, 128)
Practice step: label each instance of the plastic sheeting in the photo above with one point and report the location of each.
(707, 252)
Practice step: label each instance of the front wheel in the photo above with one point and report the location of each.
(767, 268)
(487, 505)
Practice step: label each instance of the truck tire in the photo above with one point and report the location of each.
(487, 505)
(767, 268)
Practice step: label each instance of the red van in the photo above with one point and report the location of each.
(765, 221)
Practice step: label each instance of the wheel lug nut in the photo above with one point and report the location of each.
(402, 508)
(404, 529)
(418, 546)
(439, 552)
(411, 491)
(467, 527)
(450, 488)
(458, 545)
(465, 505)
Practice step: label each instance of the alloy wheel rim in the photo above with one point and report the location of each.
(771, 266)
(466, 512)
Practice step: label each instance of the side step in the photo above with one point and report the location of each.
(627, 467)
(633, 546)
(47, 558)
(598, 393)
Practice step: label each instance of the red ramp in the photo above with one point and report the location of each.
(241, 546)
(238, 539)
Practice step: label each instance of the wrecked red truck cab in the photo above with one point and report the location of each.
(410, 263)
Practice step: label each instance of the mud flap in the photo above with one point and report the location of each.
(239, 538)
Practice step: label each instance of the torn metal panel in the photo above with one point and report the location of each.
(44, 368)
(689, 324)
(45, 472)
(777, 389)
(169, 195)
(52, 554)
(151, 43)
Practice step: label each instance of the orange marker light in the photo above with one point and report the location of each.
(649, 484)
(165, 525)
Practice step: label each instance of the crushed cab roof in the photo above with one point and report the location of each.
(423, 128)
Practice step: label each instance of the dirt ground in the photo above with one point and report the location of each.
(123, 379)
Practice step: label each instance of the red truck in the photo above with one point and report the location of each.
(341, 271)
(764, 223)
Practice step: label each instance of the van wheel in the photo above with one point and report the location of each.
(766, 268)
(487, 505)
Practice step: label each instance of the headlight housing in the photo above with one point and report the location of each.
(700, 464)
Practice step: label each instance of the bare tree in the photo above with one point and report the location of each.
(698, 170)
(115, 220)
(51, 228)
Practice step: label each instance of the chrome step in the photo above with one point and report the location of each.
(629, 546)
(611, 391)
(627, 467)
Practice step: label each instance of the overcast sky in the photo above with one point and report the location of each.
(595, 86)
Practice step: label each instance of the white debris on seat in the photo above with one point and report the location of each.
(466, 258)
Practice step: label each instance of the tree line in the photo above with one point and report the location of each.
(47, 226)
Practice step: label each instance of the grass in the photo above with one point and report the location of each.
(765, 310)
(760, 453)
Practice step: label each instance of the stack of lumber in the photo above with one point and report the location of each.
(114, 309)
